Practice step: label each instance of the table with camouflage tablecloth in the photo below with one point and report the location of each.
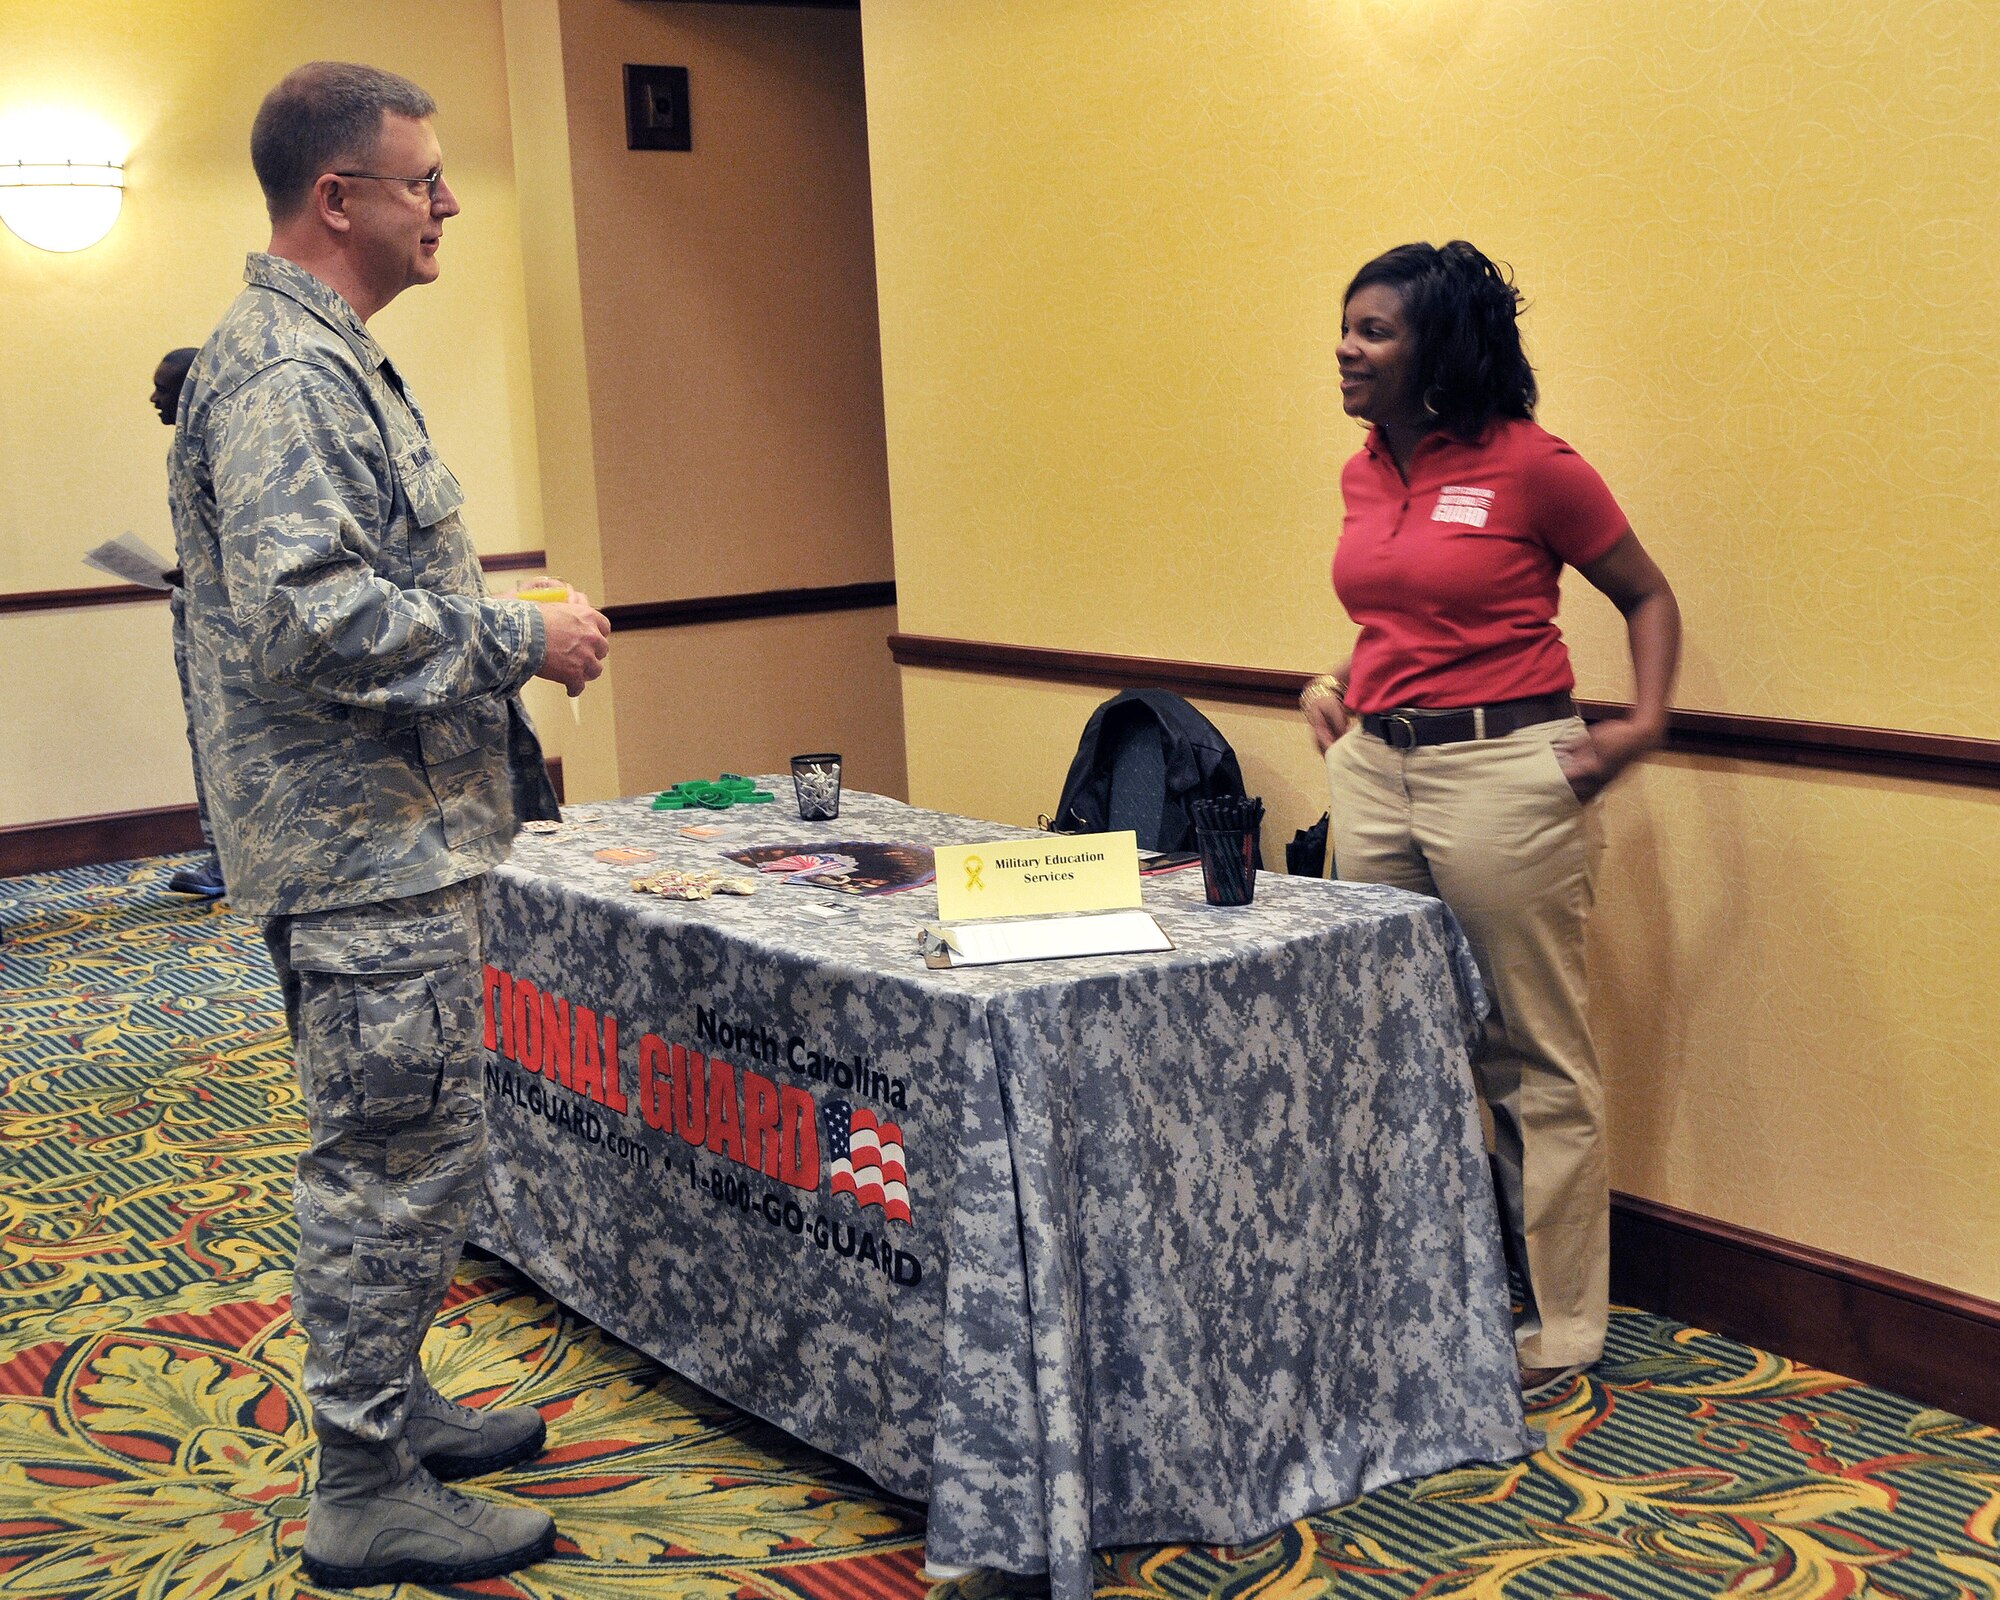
(1194, 1243)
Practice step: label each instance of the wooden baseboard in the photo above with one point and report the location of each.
(117, 836)
(85, 841)
(1918, 1339)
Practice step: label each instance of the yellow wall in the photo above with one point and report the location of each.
(1111, 241)
(585, 730)
(748, 696)
(729, 302)
(1792, 981)
(661, 368)
(81, 453)
(732, 389)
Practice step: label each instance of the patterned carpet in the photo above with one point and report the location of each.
(153, 1438)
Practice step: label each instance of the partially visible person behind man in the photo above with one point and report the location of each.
(367, 760)
(168, 377)
(204, 877)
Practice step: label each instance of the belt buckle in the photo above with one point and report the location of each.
(1401, 729)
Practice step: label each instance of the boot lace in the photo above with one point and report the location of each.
(433, 1403)
(440, 1497)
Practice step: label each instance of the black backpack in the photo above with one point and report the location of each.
(1145, 757)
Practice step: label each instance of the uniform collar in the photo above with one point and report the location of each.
(319, 297)
(1436, 439)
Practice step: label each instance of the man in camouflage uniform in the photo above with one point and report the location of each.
(367, 761)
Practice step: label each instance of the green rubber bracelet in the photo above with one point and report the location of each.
(728, 790)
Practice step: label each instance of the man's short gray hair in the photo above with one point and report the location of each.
(326, 114)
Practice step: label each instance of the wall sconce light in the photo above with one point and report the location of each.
(61, 205)
(62, 179)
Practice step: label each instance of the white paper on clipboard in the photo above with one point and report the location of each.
(986, 944)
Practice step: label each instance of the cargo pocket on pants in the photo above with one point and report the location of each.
(389, 1289)
(384, 1029)
(401, 1057)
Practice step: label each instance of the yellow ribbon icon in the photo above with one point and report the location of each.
(973, 867)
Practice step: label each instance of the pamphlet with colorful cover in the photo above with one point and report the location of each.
(846, 866)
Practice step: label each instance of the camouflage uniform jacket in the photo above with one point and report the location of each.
(353, 686)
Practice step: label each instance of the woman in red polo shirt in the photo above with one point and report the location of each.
(1457, 763)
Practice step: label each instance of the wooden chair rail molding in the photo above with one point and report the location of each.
(1931, 757)
(637, 616)
(1919, 1339)
(125, 835)
(125, 594)
(739, 607)
(119, 836)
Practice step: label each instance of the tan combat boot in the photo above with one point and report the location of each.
(378, 1517)
(455, 1441)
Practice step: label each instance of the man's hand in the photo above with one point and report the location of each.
(579, 638)
(1604, 750)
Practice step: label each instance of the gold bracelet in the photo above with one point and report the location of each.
(1322, 686)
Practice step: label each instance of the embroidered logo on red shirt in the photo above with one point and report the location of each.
(1456, 504)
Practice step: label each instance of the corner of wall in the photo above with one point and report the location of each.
(539, 112)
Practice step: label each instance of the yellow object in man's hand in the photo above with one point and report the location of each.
(550, 591)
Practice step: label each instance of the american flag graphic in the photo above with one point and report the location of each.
(867, 1158)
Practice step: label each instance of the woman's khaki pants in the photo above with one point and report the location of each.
(1492, 828)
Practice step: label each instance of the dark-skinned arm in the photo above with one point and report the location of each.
(1326, 714)
(1633, 582)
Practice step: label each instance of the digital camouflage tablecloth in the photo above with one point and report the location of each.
(1119, 1250)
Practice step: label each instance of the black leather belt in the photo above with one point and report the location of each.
(1412, 726)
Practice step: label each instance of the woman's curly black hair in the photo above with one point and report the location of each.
(1463, 310)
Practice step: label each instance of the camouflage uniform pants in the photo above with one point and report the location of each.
(177, 605)
(383, 1002)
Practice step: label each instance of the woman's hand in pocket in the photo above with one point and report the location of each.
(1324, 705)
(1591, 759)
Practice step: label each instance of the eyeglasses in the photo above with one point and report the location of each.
(430, 180)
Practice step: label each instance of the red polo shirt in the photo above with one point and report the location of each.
(1452, 576)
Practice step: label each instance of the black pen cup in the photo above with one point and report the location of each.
(1228, 864)
(816, 782)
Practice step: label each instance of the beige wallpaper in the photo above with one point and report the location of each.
(748, 696)
(1756, 241)
(82, 455)
(1793, 991)
(1790, 970)
(729, 303)
(531, 32)
(709, 380)
(96, 712)
(703, 412)
(1757, 245)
